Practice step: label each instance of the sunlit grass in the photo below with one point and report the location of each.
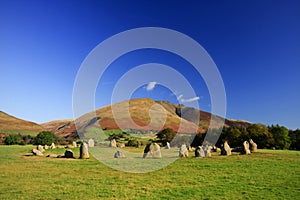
(267, 174)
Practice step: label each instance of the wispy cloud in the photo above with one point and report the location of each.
(151, 86)
(181, 99)
(190, 99)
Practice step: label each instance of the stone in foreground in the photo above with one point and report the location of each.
(84, 151)
(74, 144)
(246, 149)
(37, 152)
(183, 151)
(253, 146)
(225, 149)
(199, 152)
(113, 143)
(40, 148)
(69, 154)
(152, 151)
(119, 154)
(91, 143)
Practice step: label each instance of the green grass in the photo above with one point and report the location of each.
(22, 132)
(263, 175)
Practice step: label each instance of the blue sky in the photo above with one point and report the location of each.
(255, 45)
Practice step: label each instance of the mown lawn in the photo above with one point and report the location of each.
(264, 175)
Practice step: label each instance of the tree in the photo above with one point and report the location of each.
(198, 139)
(281, 136)
(260, 135)
(166, 135)
(295, 139)
(44, 138)
(11, 139)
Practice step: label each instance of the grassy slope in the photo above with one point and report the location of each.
(13, 125)
(267, 174)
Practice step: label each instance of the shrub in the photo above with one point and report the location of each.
(11, 139)
(166, 135)
(44, 138)
(132, 143)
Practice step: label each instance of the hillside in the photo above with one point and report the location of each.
(10, 124)
(64, 128)
(135, 114)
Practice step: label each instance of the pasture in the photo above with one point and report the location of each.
(267, 174)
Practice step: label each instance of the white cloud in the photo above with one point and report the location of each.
(190, 99)
(181, 99)
(151, 86)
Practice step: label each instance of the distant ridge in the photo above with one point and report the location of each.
(139, 114)
(11, 124)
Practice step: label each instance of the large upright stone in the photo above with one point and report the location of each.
(91, 143)
(207, 151)
(52, 146)
(113, 143)
(199, 152)
(40, 148)
(74, 144)
(183, 151)
(120, 145)
(246, 149)
(225, 149)
(168, 146)
(37, 152)
(84, 151)
(152, 151)
(253, 146)
(69, 154)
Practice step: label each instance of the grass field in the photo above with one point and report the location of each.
(267, 174)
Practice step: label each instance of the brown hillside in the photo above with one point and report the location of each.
(9, 123)
(135, 114)
(64, 128)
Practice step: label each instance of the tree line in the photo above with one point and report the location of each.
(275, 137)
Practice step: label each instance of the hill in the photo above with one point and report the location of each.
(10, 124)
(142, 114)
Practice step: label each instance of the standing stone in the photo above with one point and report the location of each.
(74, 144)
(155, 149)
(52, 146)
(199, 152)
(119, 154)
(216, 149)
(52, 155)
(225, 149)
(69, 154)
(113, 143)
(40, 148)
(120, 145)
(246, 149)
(253, 146)
(207, 150)
(37, 152)
(152, 150)
(91, 143)
(168, 146)
(183, 151)
(84, 151)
